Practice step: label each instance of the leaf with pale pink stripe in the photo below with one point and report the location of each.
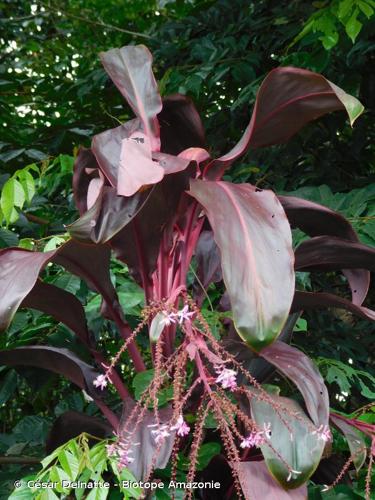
(254, 238)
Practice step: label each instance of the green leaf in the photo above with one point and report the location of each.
(28, 184)
(143, 379)
(66, 163)
(26, 243)
(70, 463)
(47, 494)
(353, 26)
(12, 195)
(23, 492)
(345, 8)
(126, 475)
(299, 447)
(8, 238)
(8, 386)
(57, 475)
(53, 243)
(365, 8)
(98, 494)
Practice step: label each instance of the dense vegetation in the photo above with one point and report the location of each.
(54, 96)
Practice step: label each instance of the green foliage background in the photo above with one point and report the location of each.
(54, 95)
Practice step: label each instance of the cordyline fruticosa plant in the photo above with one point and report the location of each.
(150, 193)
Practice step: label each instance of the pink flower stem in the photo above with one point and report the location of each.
(114, 376)
(202, 372)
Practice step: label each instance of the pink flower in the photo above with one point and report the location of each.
(253, 439)
(160, 434)
(101, 381)
(323, 432)
(227, 378)
(184, 314)
(168, 319)
(256, 438)
(124, 458)
(181, 427)
(111, 449)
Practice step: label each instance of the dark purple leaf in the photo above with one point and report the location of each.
(357, 445)
(327, 253)
(109, 215)
(208, 271)
(81, 179)
(56, 360)
(299, 368)
(258, 484)
(89, 262)
(287, 99)
(19, 271)
(257, 366)
(180, 125)
(318, 220)
(316, 300)
(148, 452)
(254, 238)
(60, 304)
(130, 69)
(71, 424)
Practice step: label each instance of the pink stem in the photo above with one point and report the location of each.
(115, 378)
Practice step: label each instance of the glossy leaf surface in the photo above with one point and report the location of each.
(287, 100)
(258, 484)
(130, 69)
(298, 446)
(57, 360)
(303, 373)
(254, 238)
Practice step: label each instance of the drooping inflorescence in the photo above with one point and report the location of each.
(213, 389)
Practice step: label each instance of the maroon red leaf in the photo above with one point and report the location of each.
(81, 179)
(180, 125)
(137, 244)
(357, 445)
(130, 69)
(109, 215)
(71, 424)
(299, 368)
(106, 147)
(327, 253)
(317, 220)
(19, 271)
(258, 484)
(56, 360)
(316, 300)
(148, 452)
(254, 238)
(60, 304)
(208, 271)
(287, 99)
